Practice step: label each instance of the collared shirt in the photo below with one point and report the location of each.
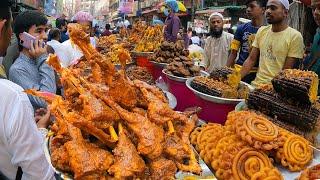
(20, 141)
(217, 51)
(172, 26)
(33, 74)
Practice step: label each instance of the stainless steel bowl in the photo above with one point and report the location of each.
(181, 79)
(216, 99)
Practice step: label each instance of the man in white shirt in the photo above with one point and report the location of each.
(58, 48)
(21, 143)
(71, 52)
(217, 46)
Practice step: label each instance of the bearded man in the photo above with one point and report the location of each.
(217, 46)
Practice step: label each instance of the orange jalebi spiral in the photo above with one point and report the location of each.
(248, 162)
(259, 132)
(295, 153)
(267, 174)
(223, 163)
(208, 134)
(233, 118)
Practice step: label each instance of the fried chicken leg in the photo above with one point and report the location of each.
(149, 135)
(128, 162)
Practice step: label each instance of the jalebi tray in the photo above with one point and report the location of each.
(206, 171)
(287, 175)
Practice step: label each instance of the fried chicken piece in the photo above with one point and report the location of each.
(122, 92)
(139, 111)
(96, 110)
(86, 160)
(82, 40)
(191, 166)
(150, 136)
(163, 169)
(159, 110)
(90, 128)
(60, 159)
(128, 162)
(176, 149)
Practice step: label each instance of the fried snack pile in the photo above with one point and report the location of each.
(222, 82)
(169, 51)
(108, 126)
(243, 148)
(150, 39)
(311, 173)
(140, 73)
(183, 67)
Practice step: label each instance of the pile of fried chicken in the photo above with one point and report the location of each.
(108, 126)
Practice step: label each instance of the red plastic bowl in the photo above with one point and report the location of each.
(214, 109)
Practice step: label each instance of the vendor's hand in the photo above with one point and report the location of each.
(39, 113)
(43, 120)
(37, 49)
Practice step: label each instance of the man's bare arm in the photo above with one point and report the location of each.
(232, 58)
(250, 62)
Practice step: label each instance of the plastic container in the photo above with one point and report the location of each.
(214, 109)
(177, 86)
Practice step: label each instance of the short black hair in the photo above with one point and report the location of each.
(60, 23)
(261, 3)
(194, 33)
(108, 26)
(25, 20)
(5, 11)
(54, 33)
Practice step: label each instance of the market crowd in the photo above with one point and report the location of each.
(260, 49)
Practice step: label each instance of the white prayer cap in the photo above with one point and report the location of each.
(285, 3)
(216, 14)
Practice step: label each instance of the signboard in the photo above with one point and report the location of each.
(126, 6)
(32, 3)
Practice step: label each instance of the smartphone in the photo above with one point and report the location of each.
(27, 40)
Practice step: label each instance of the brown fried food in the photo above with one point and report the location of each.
(86, 160)
(176, 149)
(122, 92)
(149, 135)
(162, 169)
(128, 162)
(312, 173)
(60, 159)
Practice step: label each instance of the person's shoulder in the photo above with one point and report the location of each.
(228, 35)
(265, 28)
(11, 90)
(293, 32)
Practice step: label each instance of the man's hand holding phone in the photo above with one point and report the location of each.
(37, 48)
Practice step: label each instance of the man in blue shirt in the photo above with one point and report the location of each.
(245, 35)
(30, 70)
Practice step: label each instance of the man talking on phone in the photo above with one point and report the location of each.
(30, 70)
